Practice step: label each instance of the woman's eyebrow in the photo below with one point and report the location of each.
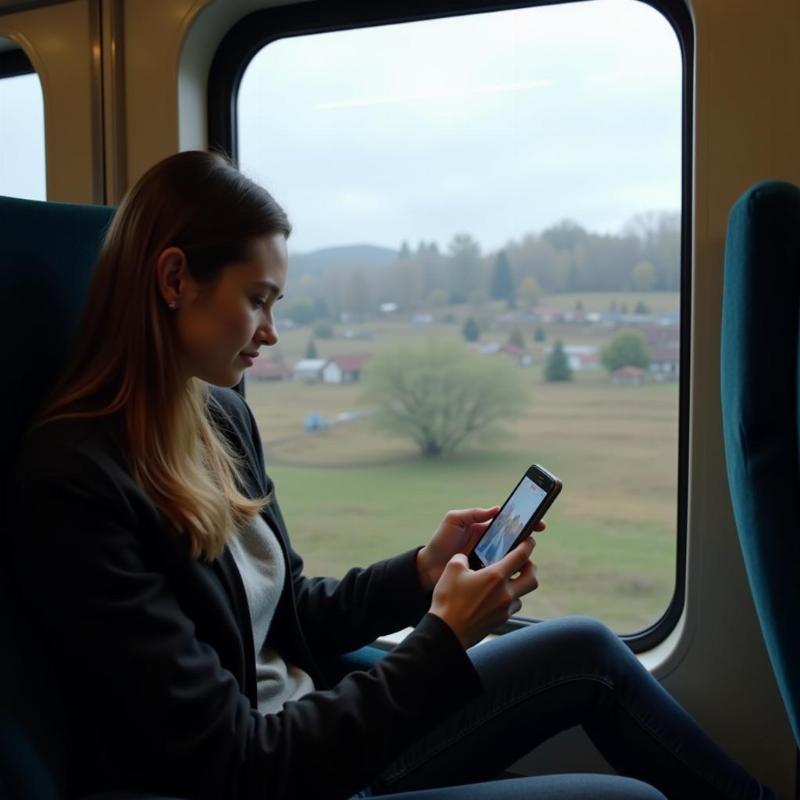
(271, 286)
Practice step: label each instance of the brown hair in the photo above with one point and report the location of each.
(124, 361)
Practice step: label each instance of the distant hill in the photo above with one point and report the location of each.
(354, 255)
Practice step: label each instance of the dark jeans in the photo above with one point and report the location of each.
(546, 678)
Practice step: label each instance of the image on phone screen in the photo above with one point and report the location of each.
(508, 524)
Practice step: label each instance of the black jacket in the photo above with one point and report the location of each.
(156, 649)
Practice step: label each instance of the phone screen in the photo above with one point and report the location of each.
(508, 524)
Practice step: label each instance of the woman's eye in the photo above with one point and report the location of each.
(258, 302)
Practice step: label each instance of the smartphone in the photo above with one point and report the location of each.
(525, 506)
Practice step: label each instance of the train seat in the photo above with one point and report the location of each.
(759, 383)
(47, 251)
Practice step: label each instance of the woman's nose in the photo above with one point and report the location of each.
(269, 334)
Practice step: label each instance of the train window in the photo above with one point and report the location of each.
(485, 272)
(22, 164)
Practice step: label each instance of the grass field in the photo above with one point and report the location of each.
(350, 495)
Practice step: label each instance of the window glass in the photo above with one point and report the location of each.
(22, 165)
(484, 274)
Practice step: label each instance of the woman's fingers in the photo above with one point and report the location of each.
(526, 581)
(514, 561)
(468, 516)
(478, 529)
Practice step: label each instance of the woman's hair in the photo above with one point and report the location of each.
(124, 364)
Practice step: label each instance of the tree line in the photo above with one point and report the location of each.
(566, 257)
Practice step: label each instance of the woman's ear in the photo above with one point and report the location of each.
(172, 275)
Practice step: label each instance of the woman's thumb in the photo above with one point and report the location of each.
(461, 560)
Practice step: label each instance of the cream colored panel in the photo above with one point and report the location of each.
(154, 34)
(58, 40)
(169, 46)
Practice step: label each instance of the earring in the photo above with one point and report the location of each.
(172, 305)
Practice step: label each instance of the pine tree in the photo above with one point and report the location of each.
(311, 349)
(471, 330)
(502, 282)
(557, 367)
(516, 339)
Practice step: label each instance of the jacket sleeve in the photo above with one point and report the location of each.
(339, 615)
(172, 711)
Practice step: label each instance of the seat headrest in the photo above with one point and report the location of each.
(47, 255)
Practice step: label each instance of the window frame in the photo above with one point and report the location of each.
(14, 63)
(260, 28)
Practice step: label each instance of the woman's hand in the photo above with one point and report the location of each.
(458, 533)
(475, 602)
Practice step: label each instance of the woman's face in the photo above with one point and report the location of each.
(217, 325)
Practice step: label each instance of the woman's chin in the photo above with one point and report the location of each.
(225, 380)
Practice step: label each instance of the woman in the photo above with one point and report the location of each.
(197, 659)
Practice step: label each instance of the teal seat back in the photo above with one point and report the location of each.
(47, 252)
(759, 381)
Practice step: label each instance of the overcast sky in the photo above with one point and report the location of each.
(22, 138)
(492, 124)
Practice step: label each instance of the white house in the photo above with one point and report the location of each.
(582, 356)
(309, 370)
(344, 369)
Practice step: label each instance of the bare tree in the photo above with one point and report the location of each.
(440, 394)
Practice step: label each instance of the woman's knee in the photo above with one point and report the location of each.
(543, 787)
(551, 651)
(592, 631)
(584, 644)
(597, 641)
(584, 633)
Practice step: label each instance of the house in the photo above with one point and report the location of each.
(577, 316)
(545, 314)
(628, 376)
(309, 370)
(665, 363)
(520, 356)
(582, 361)
(663, 336)
(264, 370)
(582, 356)
(664, 346)
(344, 369)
